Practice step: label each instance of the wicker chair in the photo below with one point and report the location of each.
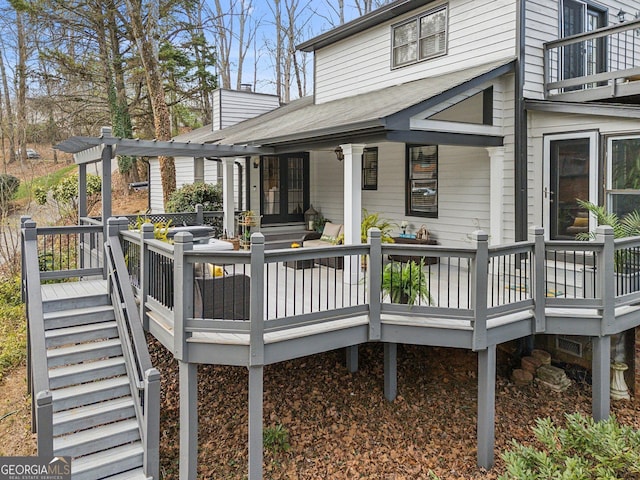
(227, 297)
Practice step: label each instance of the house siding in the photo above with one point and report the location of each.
(340, 66)
(543, 123)
(543, 25)
(232, 106)
(463, 191)
(156, 202)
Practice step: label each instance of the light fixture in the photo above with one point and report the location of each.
(256, 164)
(621, 15)
(339, 153)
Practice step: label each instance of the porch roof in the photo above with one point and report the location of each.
(373, 116)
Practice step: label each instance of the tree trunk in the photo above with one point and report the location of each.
(10, 133)
(21, 73)
(161, 119)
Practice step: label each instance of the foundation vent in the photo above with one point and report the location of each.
(567, 345)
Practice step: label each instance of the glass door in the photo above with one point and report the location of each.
(571, 163)
(285, 188)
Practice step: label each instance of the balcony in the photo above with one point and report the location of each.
(602, 65)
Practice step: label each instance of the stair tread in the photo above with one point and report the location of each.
(92, 434)
(82, 347)
(92, 409)
(105, 457)
(108, 384)
(77, 311)
(137, 474)
(83, 367)
(78, 329)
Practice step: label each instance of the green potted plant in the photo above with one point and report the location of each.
(371, 220)
(406, 283)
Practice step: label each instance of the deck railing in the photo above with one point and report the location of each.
(143, 377)
(606, 57)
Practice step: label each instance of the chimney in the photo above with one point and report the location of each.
(246, 87)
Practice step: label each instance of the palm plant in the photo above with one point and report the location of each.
(627, 226)
(371, 220)
(406, 282)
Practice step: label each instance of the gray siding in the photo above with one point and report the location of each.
(480, 31)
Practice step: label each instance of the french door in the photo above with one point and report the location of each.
(570, 175)
(583, 58)
(284, 183)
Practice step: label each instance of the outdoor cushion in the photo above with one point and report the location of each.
(331, 232)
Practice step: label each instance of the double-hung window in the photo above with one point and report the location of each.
(623, 175)
(420, 38)
(422, 181)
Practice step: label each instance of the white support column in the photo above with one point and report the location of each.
(228, 206)
(496, 196)
(352, 204)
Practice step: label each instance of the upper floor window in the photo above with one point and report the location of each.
(420, 38)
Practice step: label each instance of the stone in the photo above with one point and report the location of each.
(553, 377)
(521, 377)
(530, 364)
(543, 356)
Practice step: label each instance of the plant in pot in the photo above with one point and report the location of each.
(373, 220)
(406, 283)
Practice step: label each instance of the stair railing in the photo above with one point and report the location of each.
(144, 378)
(41, 398)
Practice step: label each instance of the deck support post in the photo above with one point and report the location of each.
(256, 377)
(188, 374)
(601, 377)
(352, 358)
(486, 405)
(390, 371)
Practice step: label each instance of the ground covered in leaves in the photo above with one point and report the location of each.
(339, 426)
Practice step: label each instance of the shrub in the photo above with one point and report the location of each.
(584, 449)
(65, 193)
(8, 187)
(13, 331)
(276, 439)
(186, 197)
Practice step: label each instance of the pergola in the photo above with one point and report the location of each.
(104, 148)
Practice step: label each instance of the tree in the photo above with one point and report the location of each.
(145, 36)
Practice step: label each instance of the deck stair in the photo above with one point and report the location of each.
(94, 417)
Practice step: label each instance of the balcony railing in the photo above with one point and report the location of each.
(594, 65)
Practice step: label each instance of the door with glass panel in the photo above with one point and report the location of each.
(571, 166)
(587, 57)
(285, 188)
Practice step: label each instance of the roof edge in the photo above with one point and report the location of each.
(360, 24)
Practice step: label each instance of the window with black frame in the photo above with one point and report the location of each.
(370, 169)
(422, 180)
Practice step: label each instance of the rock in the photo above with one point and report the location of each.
(553, 377)
(530, 364)
(544, 357)
(521, 377)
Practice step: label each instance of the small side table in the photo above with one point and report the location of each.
(413, 241)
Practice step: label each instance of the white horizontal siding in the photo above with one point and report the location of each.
(185, 170)
(156, 202)
(463, 191)
(544, 123)
(480, 31)
(232, 106)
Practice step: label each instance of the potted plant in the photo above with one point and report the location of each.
(371, 220)
(406, 283)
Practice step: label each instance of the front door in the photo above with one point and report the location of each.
(285, 188)
(571, 165)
